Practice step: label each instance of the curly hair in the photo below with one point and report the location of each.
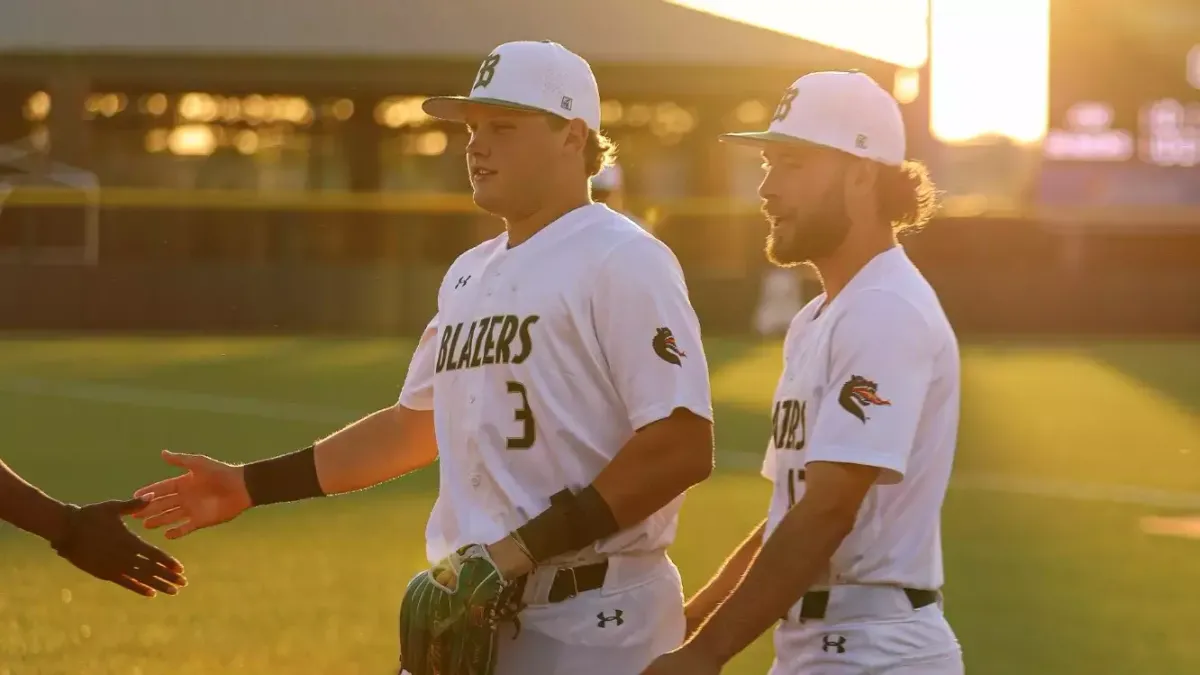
(907, 197)
(599, 152)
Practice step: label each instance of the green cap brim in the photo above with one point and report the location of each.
(454, 108)
(761, 138)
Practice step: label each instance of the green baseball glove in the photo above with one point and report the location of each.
(450, 615)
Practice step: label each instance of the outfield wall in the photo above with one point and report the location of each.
(350, 268)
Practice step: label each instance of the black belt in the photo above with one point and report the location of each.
(572, 581)
(816, 602)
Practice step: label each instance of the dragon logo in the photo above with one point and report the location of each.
(664, 345)
(859, 392)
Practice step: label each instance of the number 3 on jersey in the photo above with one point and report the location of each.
(524, 415)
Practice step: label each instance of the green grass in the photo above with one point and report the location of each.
(1036, 584)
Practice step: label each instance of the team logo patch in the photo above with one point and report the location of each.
(487, 71)
(859, 392)
(785, 105)
(664, 345)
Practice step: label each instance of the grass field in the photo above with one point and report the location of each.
(1065, 447)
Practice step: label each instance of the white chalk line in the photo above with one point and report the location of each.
(92, 392)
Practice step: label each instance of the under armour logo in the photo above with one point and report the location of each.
(462, 281)
(838, 644)
(605, 619)
(860, 142)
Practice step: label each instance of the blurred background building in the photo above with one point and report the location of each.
(265, 164)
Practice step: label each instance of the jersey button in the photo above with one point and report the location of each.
(475, 480)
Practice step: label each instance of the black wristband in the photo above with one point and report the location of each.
(573, 522)
(62, 540)
(596, 519)
(287, 478)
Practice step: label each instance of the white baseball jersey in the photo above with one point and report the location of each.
(873, 379)
(542, 362)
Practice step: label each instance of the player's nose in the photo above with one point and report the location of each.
(477, 147)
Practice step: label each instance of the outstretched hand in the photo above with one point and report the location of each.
(209, 493)
(95, 539)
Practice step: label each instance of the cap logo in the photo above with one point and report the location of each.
(566, 103)
(860, 142)
(785, 105)
(486, 72)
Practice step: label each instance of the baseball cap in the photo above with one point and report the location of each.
(609, 178)
(843, 110)
(524, 75)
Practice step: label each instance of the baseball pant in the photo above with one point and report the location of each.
(903, 642)
(618, 629)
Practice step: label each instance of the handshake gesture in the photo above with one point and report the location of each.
(209, 493)
(94, 539)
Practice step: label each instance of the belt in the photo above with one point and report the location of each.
(571, 581)
(816, 602)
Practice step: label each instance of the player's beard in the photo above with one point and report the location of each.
(797, 238)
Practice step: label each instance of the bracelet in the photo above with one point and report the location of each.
(516, 537)
(286, 478)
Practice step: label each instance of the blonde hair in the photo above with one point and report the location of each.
(599, 152)
(907, 197)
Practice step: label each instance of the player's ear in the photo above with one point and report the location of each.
(860, 178)
(575, 138)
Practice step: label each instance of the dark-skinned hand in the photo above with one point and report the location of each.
(94, 539)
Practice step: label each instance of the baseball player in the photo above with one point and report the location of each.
(563, 387)
(91, 537)
(865, 413)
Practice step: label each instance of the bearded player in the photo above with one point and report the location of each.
(865, 414)
(564, 385)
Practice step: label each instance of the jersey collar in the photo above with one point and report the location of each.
(556, 230)
(875, 269)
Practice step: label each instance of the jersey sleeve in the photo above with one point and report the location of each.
(881, 365)
(649, 333)
(768, 469)
(417, 393)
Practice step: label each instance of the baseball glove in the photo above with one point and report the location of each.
(450, 615)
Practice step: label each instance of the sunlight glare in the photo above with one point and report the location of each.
(989, 71)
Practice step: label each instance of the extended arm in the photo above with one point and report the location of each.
(28, 508)
(705, 602)
(91, 537)
(791, 558)
(379, 447)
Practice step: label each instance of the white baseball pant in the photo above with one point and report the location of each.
(868, 631)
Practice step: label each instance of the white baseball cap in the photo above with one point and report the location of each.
(539, 76)
(610, 178)
(843, 110)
